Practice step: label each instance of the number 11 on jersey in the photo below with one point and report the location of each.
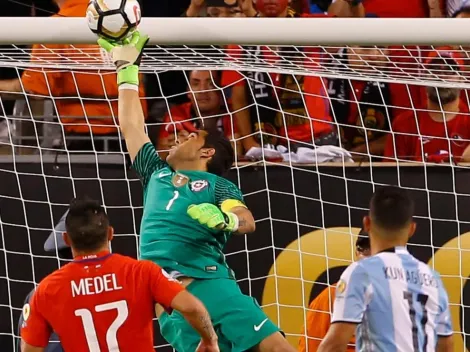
(172, 200)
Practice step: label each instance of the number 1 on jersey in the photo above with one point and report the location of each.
(172, 200)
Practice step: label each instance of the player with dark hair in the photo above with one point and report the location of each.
(103, 301)
(190, 212)
(400, 303)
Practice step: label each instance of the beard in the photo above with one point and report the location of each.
(442, 95)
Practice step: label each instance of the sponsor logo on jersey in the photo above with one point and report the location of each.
(341, 287)
(180, 180)
(199, 185)
(26, 311)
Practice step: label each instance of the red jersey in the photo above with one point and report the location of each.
(415, 136)
(374, 121)
(398, 8)
(102, 302)
(182, 117)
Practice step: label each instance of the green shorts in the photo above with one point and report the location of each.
(238, 319)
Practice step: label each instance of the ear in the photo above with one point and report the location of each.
(110, 233)
(366, 223)
(412, 229)
(207, 153)
(66, 238)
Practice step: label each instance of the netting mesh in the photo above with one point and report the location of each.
(308, 199)
(398, 63)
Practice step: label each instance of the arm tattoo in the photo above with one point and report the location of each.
(206, 325)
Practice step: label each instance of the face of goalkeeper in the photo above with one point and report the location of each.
(202, 151)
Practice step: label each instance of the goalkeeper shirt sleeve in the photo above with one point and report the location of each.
(227, 195)
(147, 162)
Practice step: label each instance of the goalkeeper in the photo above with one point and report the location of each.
(190, 212)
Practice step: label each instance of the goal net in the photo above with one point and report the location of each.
(308, 190)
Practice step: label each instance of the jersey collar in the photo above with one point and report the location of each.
(397, 249)
(92, 257)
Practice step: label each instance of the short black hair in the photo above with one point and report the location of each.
(363, 241)
(86, 224)
(223, 158)
(391, 208)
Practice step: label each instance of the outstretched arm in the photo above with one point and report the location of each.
(131, 120)
(127, 58)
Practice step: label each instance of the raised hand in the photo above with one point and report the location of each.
(126, 56)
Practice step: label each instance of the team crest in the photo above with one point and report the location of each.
(179, 180)
(199, 185)
(341, 287)
(26, 311)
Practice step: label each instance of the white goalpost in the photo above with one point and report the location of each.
(308, 207)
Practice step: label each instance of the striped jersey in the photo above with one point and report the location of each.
(398, 301)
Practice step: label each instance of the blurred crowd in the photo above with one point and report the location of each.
(265, 114)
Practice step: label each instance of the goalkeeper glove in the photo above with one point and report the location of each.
(127, 56)
(211, 216)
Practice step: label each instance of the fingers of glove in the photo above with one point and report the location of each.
(216, 221)
(134, 39)
(140, 41)
(204, 218)
(193, 211)
(106, 45)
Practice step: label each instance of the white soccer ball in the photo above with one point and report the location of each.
(113, 19)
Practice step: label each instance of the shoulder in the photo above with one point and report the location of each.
(325, 297)
(222, 185)
(405, 122)
(222, 181)
(352, 270)
(55, 280)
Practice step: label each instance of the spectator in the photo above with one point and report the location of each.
(272, 106)
(81, 99)
(457, 8)
(215, 8)
(206, 109)
(364, 110)
(319, 311)
(398, 9)
(442, 131)
(346, 8)
(54, 244)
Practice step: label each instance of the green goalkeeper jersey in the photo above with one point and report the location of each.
(168, 235)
